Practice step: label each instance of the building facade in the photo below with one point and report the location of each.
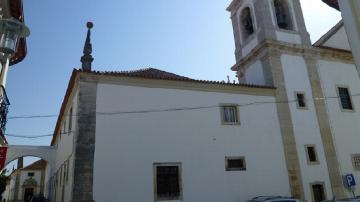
(289, 127)
(24, 183)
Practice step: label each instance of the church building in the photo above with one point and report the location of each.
(288, 127)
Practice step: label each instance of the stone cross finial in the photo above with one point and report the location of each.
(87, 58)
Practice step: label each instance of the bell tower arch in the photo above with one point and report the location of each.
(257, 20)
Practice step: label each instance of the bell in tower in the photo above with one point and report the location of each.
(255, 21)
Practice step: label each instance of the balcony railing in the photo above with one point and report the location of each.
(4, 109)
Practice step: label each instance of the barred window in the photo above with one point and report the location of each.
(345, 98)
(168, 181)
(230, 114)
(356, 161)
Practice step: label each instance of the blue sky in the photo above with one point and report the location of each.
(191, 38)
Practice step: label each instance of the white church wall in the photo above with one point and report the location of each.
(24, 176)
(65, 154)
(254, 74)
(288, 37)
(128, 145)
(306, 128)
(339, 40)
(344, 124)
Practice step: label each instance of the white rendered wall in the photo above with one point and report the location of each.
(128, 145)
(305, 123)
(345, 125)
(64, 155)
(288, 37)
(255, 74)
(338, 40)
(24, 177)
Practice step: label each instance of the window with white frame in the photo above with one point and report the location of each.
(356, 161)
(230, 114)
(167, 181)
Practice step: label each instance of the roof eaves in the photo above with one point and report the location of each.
(64, 103)
(323, 39)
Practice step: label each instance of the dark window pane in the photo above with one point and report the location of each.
(282, 13)
(301, 99)
(318, 191)
(312, 154)
(236, 164)
(345, 98)
(168, 182)
(230, 114)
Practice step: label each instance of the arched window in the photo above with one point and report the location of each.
(282, 14)
(247, 26)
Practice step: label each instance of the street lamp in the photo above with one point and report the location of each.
(11, 30)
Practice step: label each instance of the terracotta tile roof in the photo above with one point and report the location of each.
(152, 73)
(332, 3)
(148, 73)
(37, 165)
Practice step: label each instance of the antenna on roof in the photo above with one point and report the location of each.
(87, 58)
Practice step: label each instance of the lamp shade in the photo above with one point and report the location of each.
(11, 30)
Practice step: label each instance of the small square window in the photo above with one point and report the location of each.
(356, 161)
(30, 174)
(311, 154)
(230, 114)
(300, 100)
(168, 181)
(235, 163)
(345, 98)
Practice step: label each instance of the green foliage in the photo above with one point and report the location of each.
(3, 179)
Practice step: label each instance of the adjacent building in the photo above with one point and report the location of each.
(25, 182)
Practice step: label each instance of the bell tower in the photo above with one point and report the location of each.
(257, 20)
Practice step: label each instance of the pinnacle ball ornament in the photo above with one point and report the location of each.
(89, 25)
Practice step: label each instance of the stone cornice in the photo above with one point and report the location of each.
(169, 84)
(270, 46)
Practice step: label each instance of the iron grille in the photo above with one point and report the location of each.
(4, 109)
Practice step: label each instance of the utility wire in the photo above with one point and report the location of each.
(172, 109)
(33, 137)
(154, 111)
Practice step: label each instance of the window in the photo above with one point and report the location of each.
(30, 174)
(70, 120)
(300, 100)
(247, 26)
(235, 163)
(282, 12)
(311, 154)
(67, 171)
(345, 98)
(168, 181)
(230, 114)
(318, 192)
(356, 161)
